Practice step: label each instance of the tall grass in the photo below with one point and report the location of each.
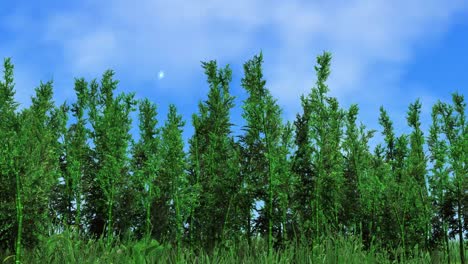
(68, 248)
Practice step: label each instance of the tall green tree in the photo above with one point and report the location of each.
(407, 195)
(351, 206)
(325, 130)
(286, 186)
(359, 188)
(42, 125)
(68, 195)
(417, 178)
(215, 160)
(397, 203)
(174, 172)
(261, 141)
(146, 161)
(110, 119)
(454, 127)
(304, 170)
(10, 199)
(439, 183)
(377, 215)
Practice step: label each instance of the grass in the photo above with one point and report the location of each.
(67, 248)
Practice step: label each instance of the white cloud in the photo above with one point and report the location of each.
(370, 40)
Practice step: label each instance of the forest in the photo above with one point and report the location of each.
(77, 187)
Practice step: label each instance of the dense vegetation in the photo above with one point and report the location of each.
(75, 187)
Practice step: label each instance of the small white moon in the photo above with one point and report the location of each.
(160, 75)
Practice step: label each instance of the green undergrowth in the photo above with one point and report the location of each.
(67, 248)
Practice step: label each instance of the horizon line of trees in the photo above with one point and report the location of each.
(76, 166)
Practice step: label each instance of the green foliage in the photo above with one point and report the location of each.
(173, 180)
(67, 248)
(76, 188)
(450, 121)
(9, 129)
(110, 119)
(387, 125)
(67, 196)
(214, 162)
(363, 186)
(265, 142)
(323, 131)
(417, 178)
(146, 165)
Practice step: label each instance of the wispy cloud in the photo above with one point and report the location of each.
(371, 41)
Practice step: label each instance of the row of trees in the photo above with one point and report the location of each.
(77, 167)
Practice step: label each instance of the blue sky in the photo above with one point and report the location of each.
(384, 52)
